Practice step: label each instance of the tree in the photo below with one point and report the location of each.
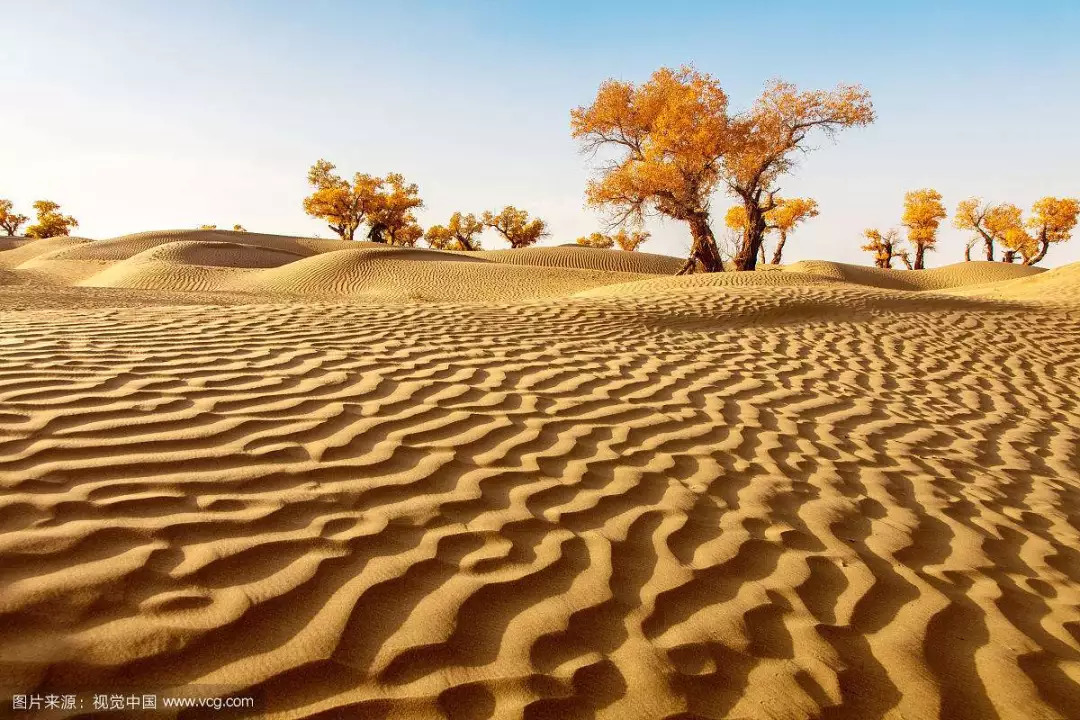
(515, 226)
(207, 227)
(1003, 224)
(597, 240)
(923, 213)
(457, 234)
(630, 241)
(1052, 221)
(390, 215)
(766, 138)
(671, 133)
(676, 143)
(735, 219)
(782, 218)
(971, 214)
(238, 228)
(785, 216)
(342, 205)
(10, 221)
(885, 246)
(50, 223)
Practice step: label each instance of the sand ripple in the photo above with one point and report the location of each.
(810, 500)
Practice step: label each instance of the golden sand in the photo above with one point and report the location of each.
(357, 481)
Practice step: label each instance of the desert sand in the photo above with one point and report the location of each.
(359, 481)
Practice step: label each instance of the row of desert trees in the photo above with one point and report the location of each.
(50, 221)
(666, 147)
(385, 205)
(1051, 221)
(622, 238)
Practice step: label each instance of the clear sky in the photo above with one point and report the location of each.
(152, 115)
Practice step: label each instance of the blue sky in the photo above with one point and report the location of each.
(138, 115)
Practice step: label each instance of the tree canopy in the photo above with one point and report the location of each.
(10, 221)
(923, 213)
(459, 233)
(785, 215)
(675, 144)
(1052, 221)
(597, 240)
(384, 203)
(515, 226)
(886, 246)
(50, 221)
(390, 216)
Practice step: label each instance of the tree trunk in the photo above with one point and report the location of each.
(1043, 247)
(753, 236)
(779, 252)
(989, 249)
(1009, 256)
(920, 253)
(967, 253)
(704, 248)
(761, 254)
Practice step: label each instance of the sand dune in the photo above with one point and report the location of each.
(389, 483)
(586, 258)
(940, 278)
(1060, 285)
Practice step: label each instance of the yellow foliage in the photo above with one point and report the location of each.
(390, 215)
(50, 223)
(597, 240)
(384, 203)
(1053, 219)
(10, 221)
(457, 234)
(677, 143)
(207, 227)
(735, 218)
(885, 246)
(238, 228)
(790, 212)
(785, 214)
(624, 239)
(923, 213)
(630, 241)
(515, 226)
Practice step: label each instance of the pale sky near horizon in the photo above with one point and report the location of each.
(139, 116)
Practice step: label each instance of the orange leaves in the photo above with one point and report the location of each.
(624, 239)
(597, 240)
(784, 216)
(789, 212)
(766, 135)
(885, 246)
(1052, 221)
(669, 132)
(462, 231)
(390, 212)
(458, 234)
(386, 204)
(674, 143)
(50, 222)
(10, 221)
(630, 241)
(923, 213)
(515, 226)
